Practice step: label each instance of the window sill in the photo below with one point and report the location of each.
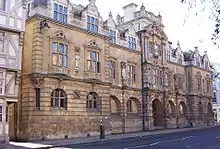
(58, 108)
(92, 110)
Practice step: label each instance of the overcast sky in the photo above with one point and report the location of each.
(196, 31)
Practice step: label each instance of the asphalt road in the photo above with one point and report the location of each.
(197, 139)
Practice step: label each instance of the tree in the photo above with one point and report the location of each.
(214, 9)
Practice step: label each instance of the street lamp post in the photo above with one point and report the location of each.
(123, 77)
(177, 108)
(176, 86)
(102, 130)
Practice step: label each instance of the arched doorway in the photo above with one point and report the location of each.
(183, 109)
(171, 109)
(115, 115)
(158, 112)
(115, 106)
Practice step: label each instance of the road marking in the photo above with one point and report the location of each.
(159, 142)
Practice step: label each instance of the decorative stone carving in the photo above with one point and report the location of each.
(37, 81)
(123, 70)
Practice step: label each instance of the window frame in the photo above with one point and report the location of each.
(112, 69)
(93, 102)
(112, 35)
(199, 85)
(92, 24)
(57, 12)
(132, 43)
(55, 98)
(64, 62)
(131, 73)
(93, 61)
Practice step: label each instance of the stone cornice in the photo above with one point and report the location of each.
(40, 17)
(124, 48)
(66, 77)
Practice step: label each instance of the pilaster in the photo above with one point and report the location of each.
(37, 53)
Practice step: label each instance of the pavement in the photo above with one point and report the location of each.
(149, 140)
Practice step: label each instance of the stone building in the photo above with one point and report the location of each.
(12, 23)
(80, 72)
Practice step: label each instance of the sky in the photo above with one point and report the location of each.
(196, 31)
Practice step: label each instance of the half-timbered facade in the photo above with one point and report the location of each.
(12, 21)
(80, 72)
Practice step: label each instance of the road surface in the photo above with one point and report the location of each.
(197, 139)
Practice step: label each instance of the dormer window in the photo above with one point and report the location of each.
(112, 35)
(92, 24)
(2, 5)
(60, 13)
(131, 43)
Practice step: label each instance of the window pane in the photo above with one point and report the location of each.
(0, 109)
(56, 102)
(98, 67)
(65, 18)
(65, 49)
(60, 62)
(54, 59)
(94, 66)
(60, 17)
(92, 20)
(88, 55)
(55, 7)
(92, 28)
(95, 104)
(90, 104)
(56, 92)
(96, 29)
(54, 47)
(88, 18)
(61, 48)
(55, 15)
(89, 65)
(94, 56)
(65, 10)
(96, 21)
(97, 56)
(62, 103)
(1, 117)
(88, 26)
(60, 8)
(65, 61)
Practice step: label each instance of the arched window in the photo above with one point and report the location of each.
(92, 101)
(59, 98)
